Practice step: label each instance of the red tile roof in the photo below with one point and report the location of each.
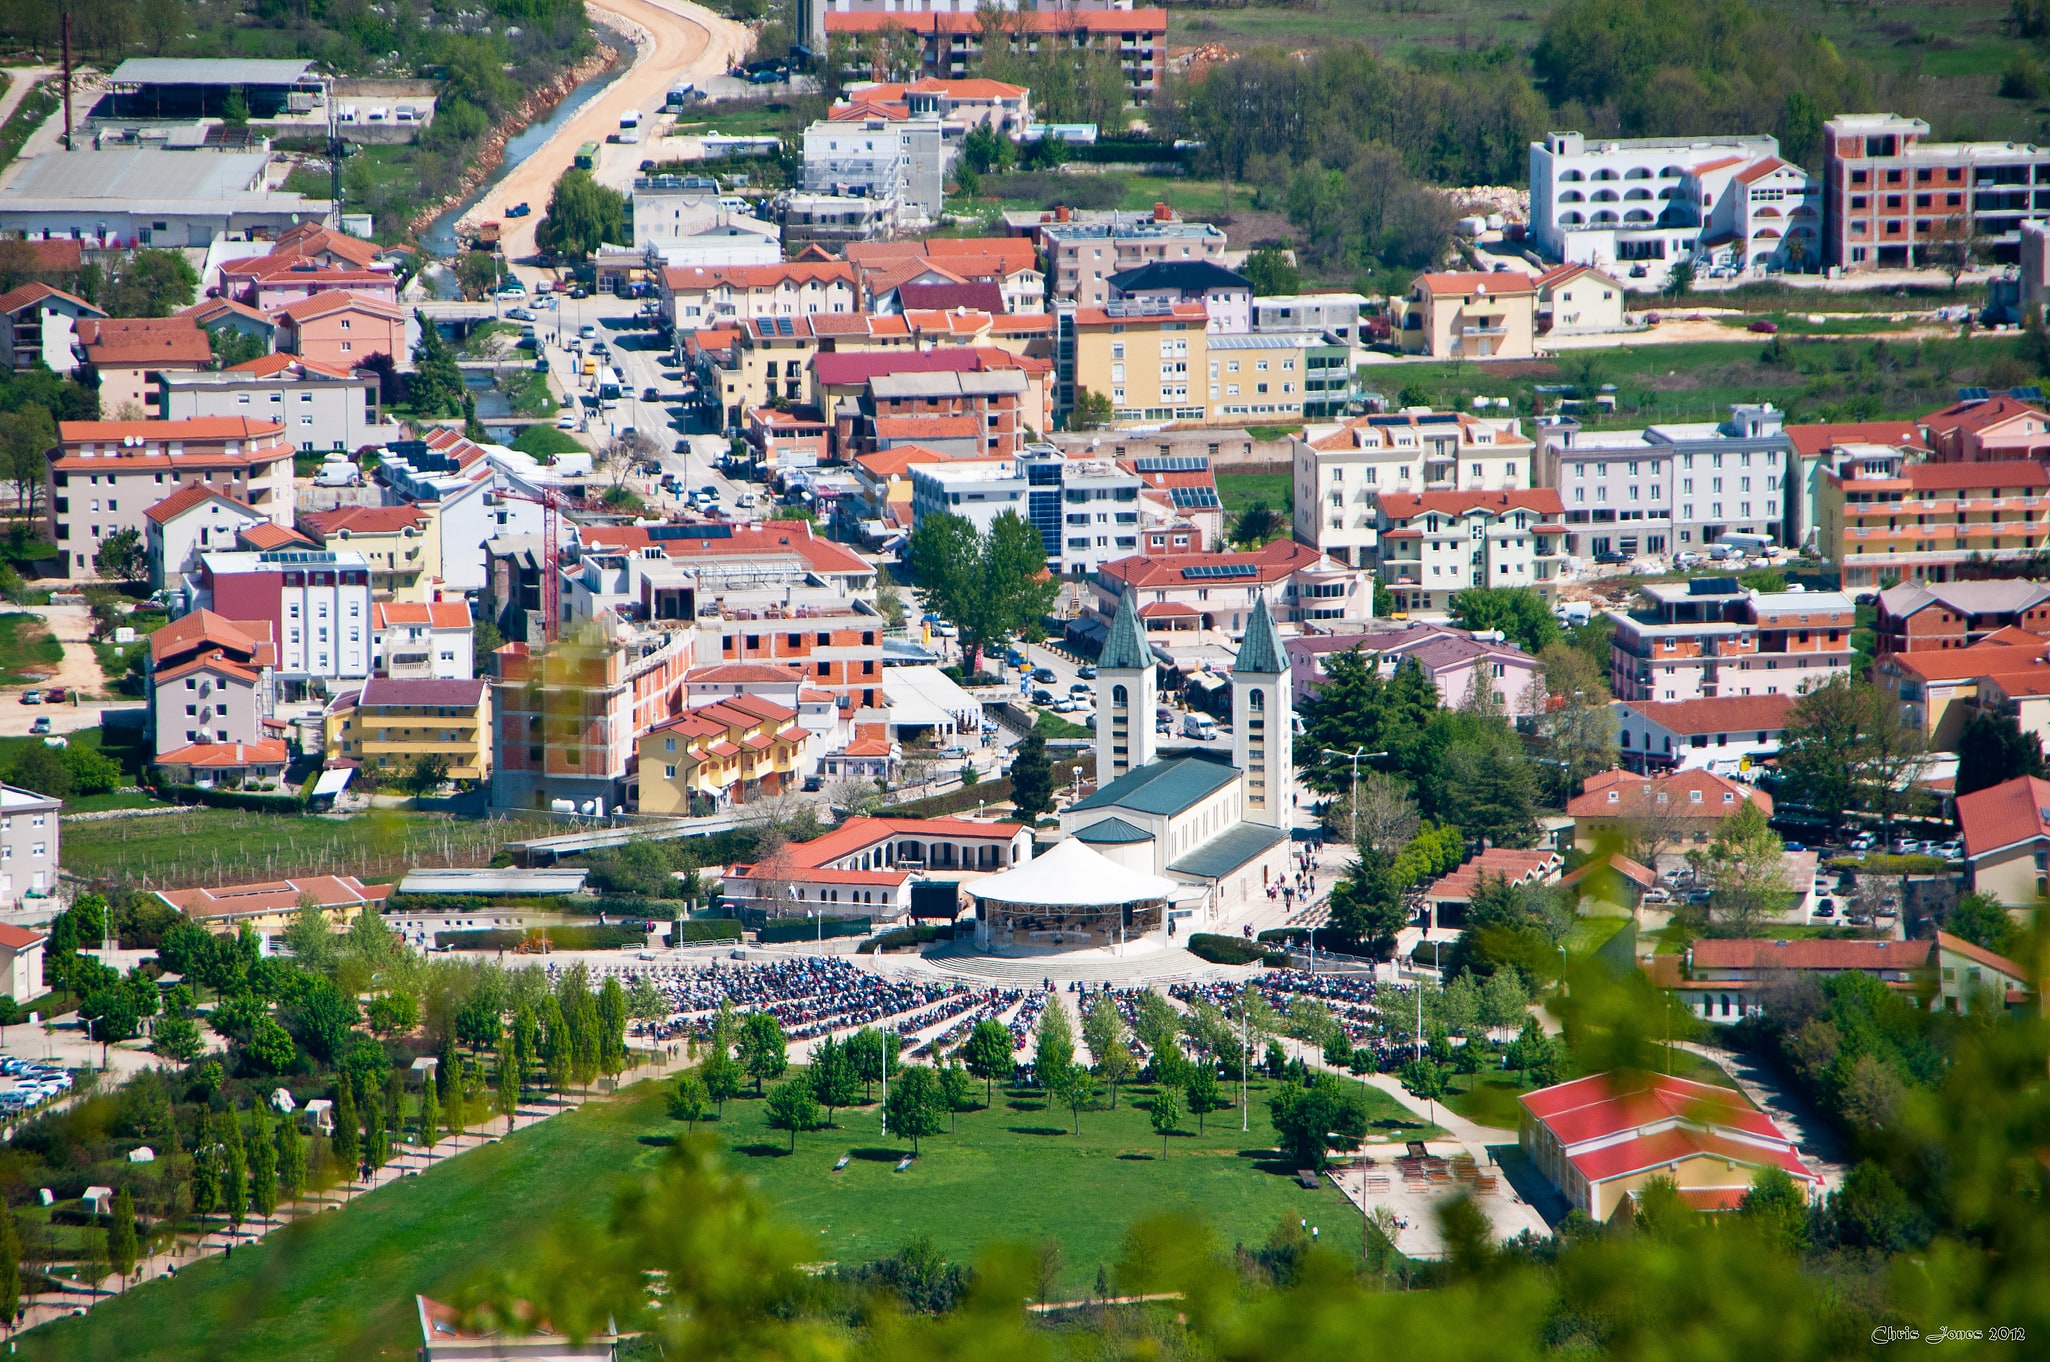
(413, 691)
(1750, 953)
(268, 534)
(433, 614)
(972, 88)
(858, 834)
(740, 673)
(1973, 951)
(272, 896)
(229, 755)
(1812, 440)
(1718, 714)
(1979, 415)
(2005, 815)
(1761, 168)
(132, 341)
(799, 272)
(200, 629)
(770, 540)
(339, 300)
(15, 300)
(344, 521)
(18, 938)
(197, 429)
(1961, 477)
(1617, 794)
(1271, 563)
(1510, 282)
(188, 497)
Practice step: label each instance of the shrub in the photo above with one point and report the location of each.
(1224, 950)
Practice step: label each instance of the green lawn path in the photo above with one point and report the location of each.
(340, 1287)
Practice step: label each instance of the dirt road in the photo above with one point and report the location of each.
(675, 39)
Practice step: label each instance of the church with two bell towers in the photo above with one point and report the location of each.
(1218, 822)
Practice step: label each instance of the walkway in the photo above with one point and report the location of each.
(1792, 1112)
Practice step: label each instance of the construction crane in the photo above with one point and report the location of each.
(552, 504)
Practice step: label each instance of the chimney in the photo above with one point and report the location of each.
(1162, 213)
(1060, 212)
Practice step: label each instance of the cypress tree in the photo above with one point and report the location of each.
(430, 1119)
(291, 1160)
(235, 1168)
(10, 1264)
(347, 1152)
(263, 1163)
(121, 1245)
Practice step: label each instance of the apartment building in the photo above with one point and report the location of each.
(125, 354)
(1883, 519)
(1989, 428)
(565, 714)
(1891, 199)
(697, 296)
(104, 475)
(1939, 690)
(424, 640)
(835, 641)
(897, 159)
(961, 412)
(320, 406)
(977, 491)
(1082, 256)
(1012, 264)
(402, 544)
(343, 329)
(189, 522)
(38, 326)
(316, 604)
(1711, 638)
(395, 722)
(1342, 469)
(1468, 316)
(1727, 734)
(31, 848)
(474, 495)
(1150, 360)
(1336, 315)
(1670, 488)
(952, 41)
(1225, 295)
(1579, 300)
(959, 105)
(1919, 617)
(1279, 377)
(1637, 206)
(719, 755)
(1432, 544)
(210, 681)
(1455, 661)
(1198, 591)
(1814, 455)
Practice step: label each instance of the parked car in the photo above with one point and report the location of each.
(1764, 327)
(1864, 841)
(587, 331)
(1042, 696)
(519, 314)
(56, 695)
(1080, 688)
(954, 753)
(41, 725)
(32, 696)
(519, 210)
(651, 394)
(1044, 675)
(1087, 671)
(1950, 851)
(1064, 706)
(1824, 908)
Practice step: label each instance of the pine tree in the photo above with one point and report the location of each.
(343, 1141)
(121, 1244)
(526, 1048)
(435, 387)
(291, 1159)
(1031, 777)
(234, 1168)
(263, 1163)
(10, 1264)
(430, 1119)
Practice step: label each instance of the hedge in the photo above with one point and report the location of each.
(997, 791)
(906, 936)
(231, 799)
(611, 936)
(1231, 950)
(476, 903)
(711, 929)
(799, 929)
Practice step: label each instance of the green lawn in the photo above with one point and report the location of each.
(341, 1287)
(1491, 1101)
(1238, 491)
(28, 652)
(217, 846)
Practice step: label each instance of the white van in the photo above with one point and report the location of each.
(378, 115)
(1199, 726)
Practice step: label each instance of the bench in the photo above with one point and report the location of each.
(1307, 1177)
(845, 1159)
(904, 1163)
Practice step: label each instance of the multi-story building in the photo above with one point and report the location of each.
(104, 475)
(1940, 689)
(423, 640)
(720, 755)
(863, 867)
(1893, 201)
(1335, 315)
(38, 325)
(343, 329)
(959, 412)
(1082, 256)
(1815, 448)
(565, 714)
(1917, 617)
(1433, 544)
(977, 491)
(1883, 519)
(125, 354)
(1279, 377)
(697, 296)
(1342, 470)
(1989, 429)
(320, 406)
(1579, 300)
(953, 39)
(1150, 360)
(1638, 206)
(1669, 488)
(1711, 638)
(1456, 661)
(1010, 263)
(191, 521)
(835, 641)
(211, 680)
(896, 159)
(682, 219)
(395, 722)
(402, 544)
(1199, 591)
(1468, 316)
(31, 847)
(475, 496)
(1225, 296)
(1727, 734)
(960, 105)
(316, 603)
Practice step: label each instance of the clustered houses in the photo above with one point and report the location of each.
(1882, 518)
(1684, 806)
(1726, 733)
(864, 867)
(1727, 980)
(952, 39)
(1436, 543)
(1468, 316)
(1343, 470)
(720, 754)
(1205, 591)
(393, 723)
(1710, 637)
(1458, 662)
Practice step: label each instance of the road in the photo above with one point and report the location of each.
(681, 39)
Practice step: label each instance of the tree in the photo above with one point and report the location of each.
(122, 555)
(988, 1054)
(1871, 1211)
(1951, 248)
(1778, 1208)
(874, 1056)
(1423, 1079)
(1166, 1113)
(393, 1014)
(152, 283)
(1575, 716)
(1516, 611)
(234, 1168)
(1273, 274)
(1367, 904)
(1257, 524)
(1745, 867)
(582, 215)
(1200, 1092)
(793, 1108)
(691, 1102)
(430, 1120)
(1992, 749)
(10, 1264)
(478, 273)
(26, 438)
(1504, 1001)
(832, 1075)
(1306, 1116)
(915, 1103)
(311, 935)
(1680, 279)
(177, 1038)
(231, 346)
(291, 1159)
(611, 1007)
(435, 387)
(1074, 1087)
(722, 1074)
(427, 774)
(1981, 920)
(1103, 1031)
(764, 1051)
(1490, 790)
(956, 1088)
(1031, 774)
(121, 1245)
(889, 600)
(1092, 411)
(263, 1162)
(993, 586)
(343, 1140)
(505, 1093)
(1053, 1053)
(1847, 747)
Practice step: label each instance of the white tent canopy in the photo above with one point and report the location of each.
(1071, 876)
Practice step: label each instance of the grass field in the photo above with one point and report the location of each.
(227, 846)
(28, 652)
(341, 1287)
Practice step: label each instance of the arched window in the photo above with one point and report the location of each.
(1603, 174)
(1604, 196)
(1118, 697)
(1570, 175)
(1637, 215)
(1637, 173)
(1640, 192)
(1670, 173)
(1604, 219)
(1571, 219)
(1257, 698)
(1571, 196)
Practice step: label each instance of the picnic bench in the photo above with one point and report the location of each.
(1307, 1177)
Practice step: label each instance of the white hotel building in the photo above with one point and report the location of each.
(1342, 470)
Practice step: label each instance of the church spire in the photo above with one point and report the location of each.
(1261, 653)
(1126, 649)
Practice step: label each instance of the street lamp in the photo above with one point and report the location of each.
(1354, 757)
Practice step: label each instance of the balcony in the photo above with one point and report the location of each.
(1482, 331)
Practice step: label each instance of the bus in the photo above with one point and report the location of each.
(610, 387)
(587, 156)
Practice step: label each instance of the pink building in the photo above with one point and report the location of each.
(1451, 658)
(342, 328)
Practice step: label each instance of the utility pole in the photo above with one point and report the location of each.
(67, 80)
(1245, 1050)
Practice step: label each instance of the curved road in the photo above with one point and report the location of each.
(676, 39)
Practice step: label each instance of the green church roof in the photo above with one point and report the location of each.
(1261, 653)
(1126, 648)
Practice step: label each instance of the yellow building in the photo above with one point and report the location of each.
(1469, 316)
(1152, 360)
(269, 906)
(727, 753)
(402, 544)
(1881, 518)
(393, 722)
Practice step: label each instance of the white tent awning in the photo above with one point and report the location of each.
(1071, 876)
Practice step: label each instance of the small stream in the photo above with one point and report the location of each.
(440, 237)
